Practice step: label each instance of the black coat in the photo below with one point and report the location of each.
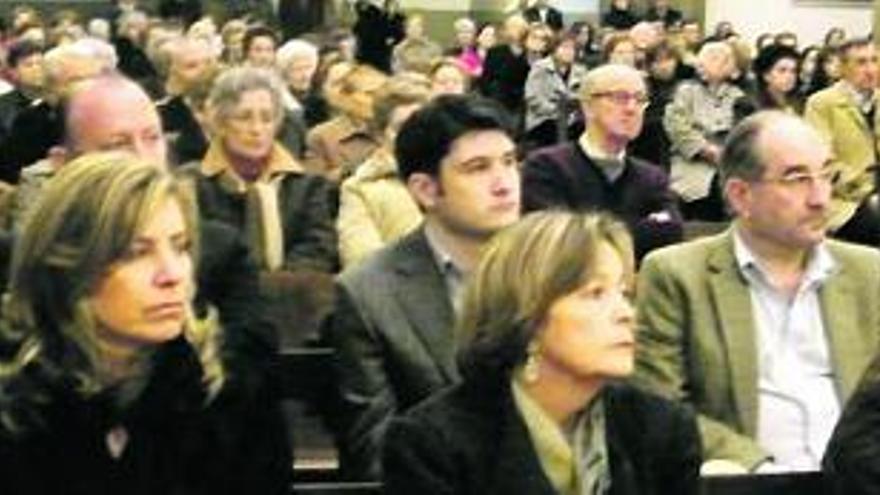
(307, 216)
(237, 444)
(504, 77)
(471, 439)
(852, 458)
(35, 130)
(619, 19)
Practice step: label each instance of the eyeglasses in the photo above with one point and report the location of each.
(804, 180)
(623, 97)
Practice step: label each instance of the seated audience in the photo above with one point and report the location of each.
(108, 381)
(336, 147)
(38, 128)
(846, 116)
(249, 181)
(109, 112)
(416, 51)
(392, 328)
(697, 119)
(595, 172)
(24, 62)
(538, 410)
(766, 328)
(775, 71)
(619, 48)
(297, 62)
(192, 64)
(259, 47)
(551, 94)
(375, 207)
(472, 61)
(507, 67)
(665, 72)
(447, 77)
(465, 39)
(827, 71)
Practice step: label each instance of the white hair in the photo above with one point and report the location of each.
(292, 50)
(464, 23)
(88, 49)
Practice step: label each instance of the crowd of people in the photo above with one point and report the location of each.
(491, 235)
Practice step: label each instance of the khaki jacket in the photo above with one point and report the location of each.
(853, 146)
(697, 344)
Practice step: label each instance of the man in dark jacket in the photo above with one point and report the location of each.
(596, 173)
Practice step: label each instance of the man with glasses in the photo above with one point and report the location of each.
(766, 328)
(595, 172)
(846, 115)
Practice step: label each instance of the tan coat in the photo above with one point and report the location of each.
(336, 147)
(697, 342)
(375, 208)
(833, 113)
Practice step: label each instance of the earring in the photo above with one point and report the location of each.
(532, 368)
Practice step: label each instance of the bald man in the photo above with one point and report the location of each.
(110, 112)
(596, 173)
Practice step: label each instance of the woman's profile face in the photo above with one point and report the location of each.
(143, 297)
(588, 333)
(249, 130)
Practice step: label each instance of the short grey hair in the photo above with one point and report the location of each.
(132, 18)
(86, 49)
(464, 23)
(292, 50)
(596, 78)
(233, 83)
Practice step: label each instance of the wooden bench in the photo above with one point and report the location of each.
(308, 381)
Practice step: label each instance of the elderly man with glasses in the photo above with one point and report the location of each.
(766, 328)
(595, 172)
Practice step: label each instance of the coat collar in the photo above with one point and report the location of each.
(216, 161)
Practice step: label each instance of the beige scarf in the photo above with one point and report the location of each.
(263, 226)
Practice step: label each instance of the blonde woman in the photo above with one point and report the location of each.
(108, 384)
(538, 411)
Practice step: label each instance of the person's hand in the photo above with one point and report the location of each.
(722, 467)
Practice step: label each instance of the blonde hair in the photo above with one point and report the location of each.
(82, 224)
(523, 271)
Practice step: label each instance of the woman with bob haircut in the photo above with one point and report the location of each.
(536, 411)
(108, 384)
(248, 180)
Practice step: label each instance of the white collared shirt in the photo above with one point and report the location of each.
(798, 404)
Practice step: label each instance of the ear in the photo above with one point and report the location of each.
(424, 189)
(738, 193)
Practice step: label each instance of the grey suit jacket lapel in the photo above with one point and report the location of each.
(422, 294)
(733, 305)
